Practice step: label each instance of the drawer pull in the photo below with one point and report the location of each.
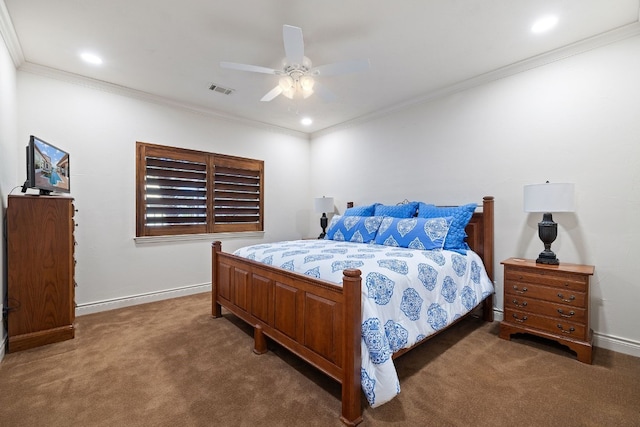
(562, 313)
(571, 298)
(566, 331)
(517, 304)
(517, 319)
(518, 290)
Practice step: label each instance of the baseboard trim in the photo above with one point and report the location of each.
(112, 304)
(617, 344)
(610, 342)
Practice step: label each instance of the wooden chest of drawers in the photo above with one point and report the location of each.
(40, 270)
(551, 301)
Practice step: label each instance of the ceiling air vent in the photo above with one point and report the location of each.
(214, 87)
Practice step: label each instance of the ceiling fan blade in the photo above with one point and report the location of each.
(325, 94)
(247, 67)
(272, 94)
(345, 67)
(293, 44)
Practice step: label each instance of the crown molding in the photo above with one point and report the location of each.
(10, 37)
(100, 85)
(586, 45)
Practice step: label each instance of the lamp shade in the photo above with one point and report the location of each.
(323, 204)
(549, 197)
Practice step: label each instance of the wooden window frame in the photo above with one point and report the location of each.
(223, 209)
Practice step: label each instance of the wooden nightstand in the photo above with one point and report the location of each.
(551, 301)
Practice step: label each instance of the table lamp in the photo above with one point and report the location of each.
(548, 198)
(323, 205)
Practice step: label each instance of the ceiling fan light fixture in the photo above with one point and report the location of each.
(286, 83)
(296, 78)
(289, 92)
(306, 83)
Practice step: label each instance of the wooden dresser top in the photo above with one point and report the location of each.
(563, 266)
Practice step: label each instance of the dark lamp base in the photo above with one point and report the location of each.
(547, 257)
(547, 231)
(323, 224)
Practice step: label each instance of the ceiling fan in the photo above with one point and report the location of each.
(297, 74)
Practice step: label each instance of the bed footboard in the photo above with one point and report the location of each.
(316, 320)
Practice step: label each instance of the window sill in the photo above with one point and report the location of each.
(197, 237)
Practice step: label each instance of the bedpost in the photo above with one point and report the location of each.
(487, 231)
(487, 227)
(351, 385)
(216, 309)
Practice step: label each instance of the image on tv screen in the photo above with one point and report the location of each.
(51, 167)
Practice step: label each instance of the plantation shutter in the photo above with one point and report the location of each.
(237, 201)
(191, 192)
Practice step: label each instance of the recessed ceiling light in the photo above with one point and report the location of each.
(544, 24)
(306, 121)
(91, 58)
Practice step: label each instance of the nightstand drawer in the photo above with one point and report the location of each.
(558, 311)
(550, 278)
(546, 293)
(555, 326)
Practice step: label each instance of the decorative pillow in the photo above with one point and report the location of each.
(413, 233)
(405, 210)
(461, 215)
(361, 210)
(360, 229)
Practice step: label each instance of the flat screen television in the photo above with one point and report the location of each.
(47, 168)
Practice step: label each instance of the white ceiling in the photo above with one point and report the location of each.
(417, 48)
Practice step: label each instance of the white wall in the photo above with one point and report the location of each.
(8, 154)
(575, 120)
(99, 129)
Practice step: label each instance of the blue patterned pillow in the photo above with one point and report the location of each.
(361, 210)
(413, 233)
(360, 229)
(461, 216)
(405, 210)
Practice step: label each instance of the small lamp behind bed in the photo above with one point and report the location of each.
(323, 205)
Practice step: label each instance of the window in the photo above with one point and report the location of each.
(181, 191)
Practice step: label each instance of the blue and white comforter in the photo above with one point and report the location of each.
(407, 294)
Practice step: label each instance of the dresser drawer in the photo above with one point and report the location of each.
(555, 326)
(556, 279)
(546, 293)
(558, 311)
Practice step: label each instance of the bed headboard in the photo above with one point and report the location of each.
(479, 233)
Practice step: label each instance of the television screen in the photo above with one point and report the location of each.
(47, 167)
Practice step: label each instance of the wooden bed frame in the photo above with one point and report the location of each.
(317, 320)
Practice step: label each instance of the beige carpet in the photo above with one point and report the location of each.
(170, 364)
